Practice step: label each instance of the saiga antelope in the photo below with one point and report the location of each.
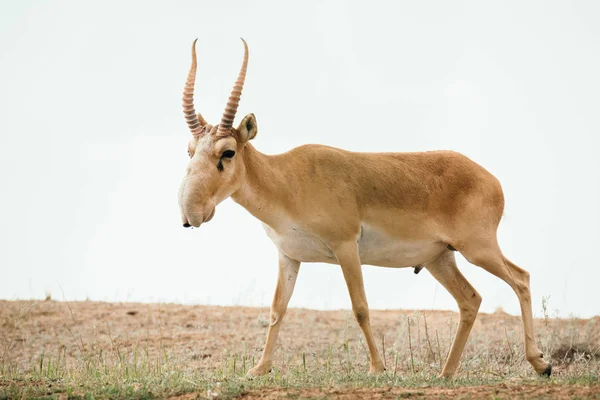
(323, 204)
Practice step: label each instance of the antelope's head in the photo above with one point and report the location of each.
(216, 167)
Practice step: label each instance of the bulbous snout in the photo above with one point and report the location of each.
(184, 219)
(192, 222)
(196, 197)
(194, 210)
(196, 219)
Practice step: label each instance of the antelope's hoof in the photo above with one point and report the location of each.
(259, 370)
(376, 370)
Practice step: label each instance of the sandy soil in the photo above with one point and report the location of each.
(503, 391)
(205, 337)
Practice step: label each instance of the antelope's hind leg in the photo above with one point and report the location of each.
(487, 254)
(286, 280)
(444, 270)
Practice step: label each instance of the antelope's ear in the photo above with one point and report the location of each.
(247, 128)
(201, 119)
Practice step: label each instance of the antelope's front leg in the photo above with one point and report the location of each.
(347, 255)
(286, 280)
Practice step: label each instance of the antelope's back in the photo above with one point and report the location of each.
(420, 187)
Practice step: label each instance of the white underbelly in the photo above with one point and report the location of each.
(374, 248)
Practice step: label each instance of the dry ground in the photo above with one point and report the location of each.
(126, 350)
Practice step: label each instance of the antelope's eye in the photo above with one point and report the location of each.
(228, 154)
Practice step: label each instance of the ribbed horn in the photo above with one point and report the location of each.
(234, 99)
(194, 121)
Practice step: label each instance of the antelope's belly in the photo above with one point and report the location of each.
(374, 248)
(380, 249)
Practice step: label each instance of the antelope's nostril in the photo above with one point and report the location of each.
(186, 225)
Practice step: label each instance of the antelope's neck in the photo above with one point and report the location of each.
(264, 192)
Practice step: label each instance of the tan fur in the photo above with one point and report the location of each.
(323, 204)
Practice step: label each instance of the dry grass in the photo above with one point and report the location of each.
(106, 350)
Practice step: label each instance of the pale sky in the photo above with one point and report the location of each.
(93, 142)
